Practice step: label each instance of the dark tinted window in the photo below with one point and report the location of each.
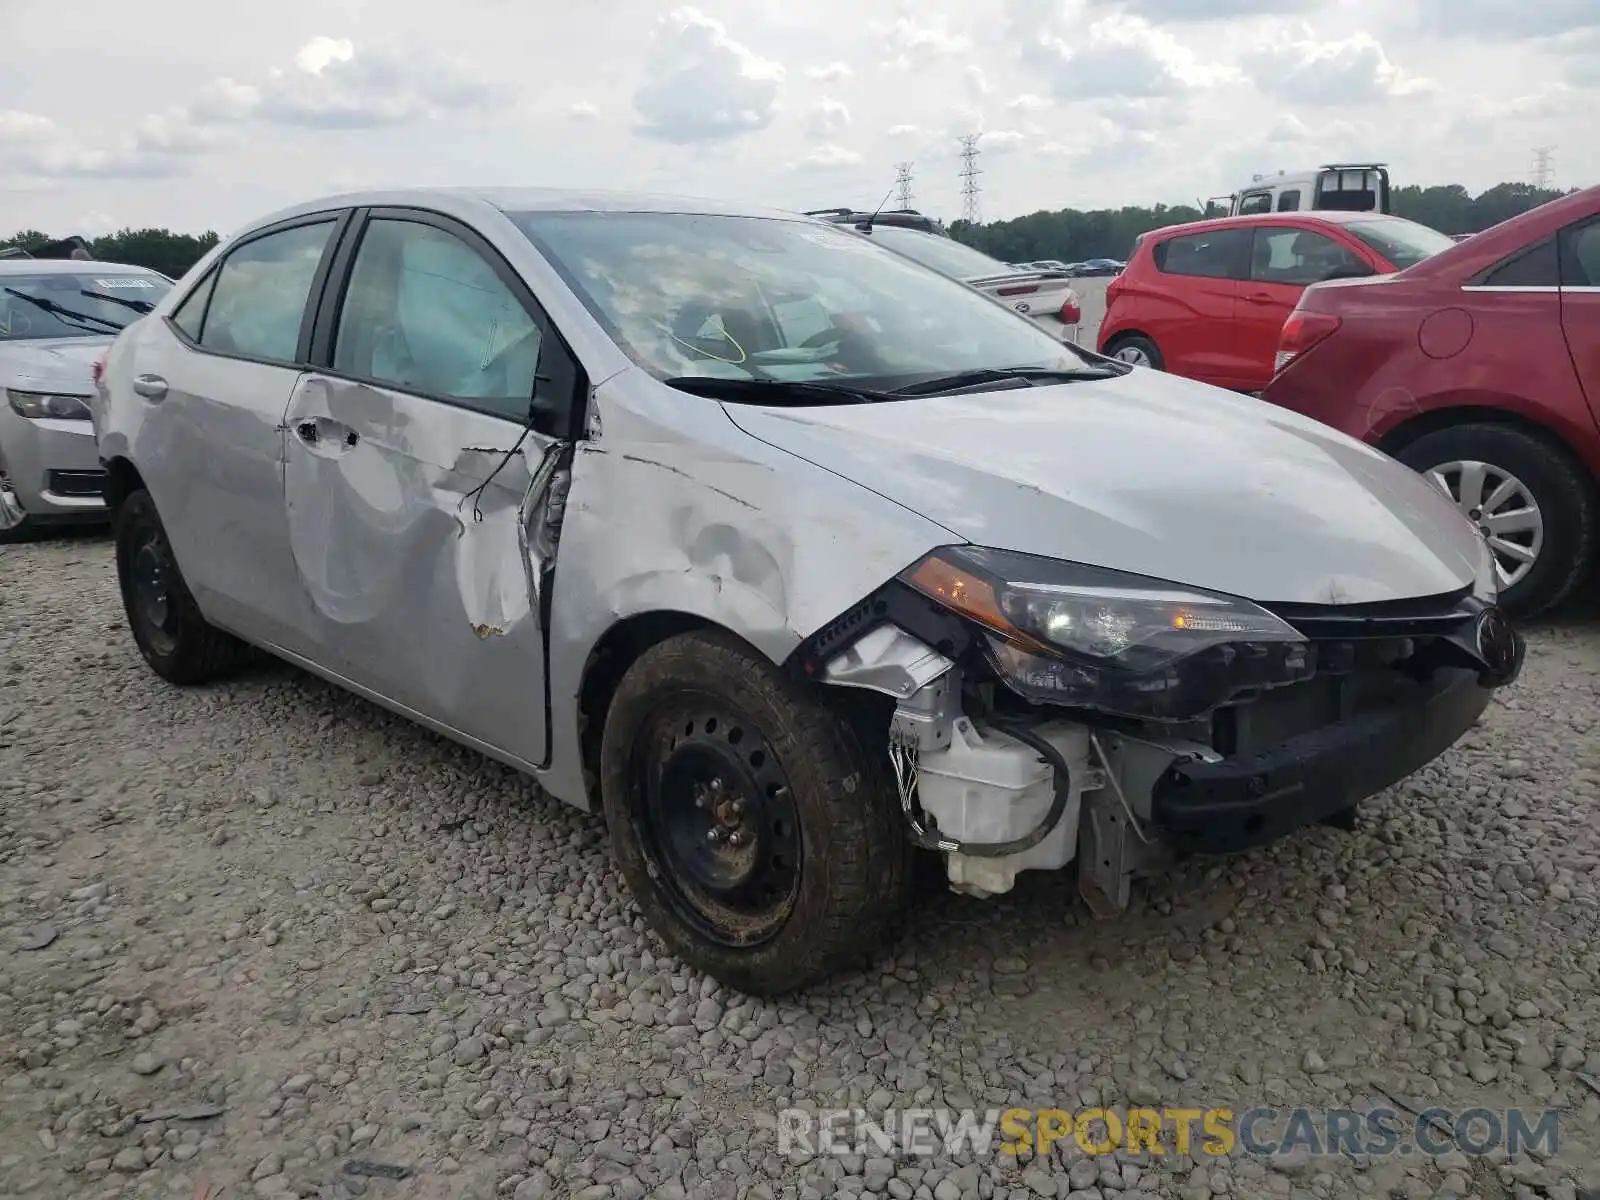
(1580, 255)
(1536, 266)
(1256, 202)
(1219, 254)
(1289, 201)
(192, 311)
(260, 295)
(1299, 257)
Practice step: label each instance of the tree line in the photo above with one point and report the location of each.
(1067, 234)
(1071, 235)
(161, 250)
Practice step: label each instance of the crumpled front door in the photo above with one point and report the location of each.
(420, 576)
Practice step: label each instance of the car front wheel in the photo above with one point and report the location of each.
(761, 841)
(15, 526)
(179, 644)
(1528, 497)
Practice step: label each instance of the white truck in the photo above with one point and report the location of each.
(1338, 187)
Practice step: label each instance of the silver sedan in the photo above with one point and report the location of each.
(794, 557)
(56, 319)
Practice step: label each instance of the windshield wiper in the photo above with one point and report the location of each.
(779, 391)
(957, 380)
(56, 310)
(138, 306)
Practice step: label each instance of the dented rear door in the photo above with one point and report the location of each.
(416, 482)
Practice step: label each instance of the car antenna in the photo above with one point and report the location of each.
(866, 227)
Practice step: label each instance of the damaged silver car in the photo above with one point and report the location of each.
(792, 557)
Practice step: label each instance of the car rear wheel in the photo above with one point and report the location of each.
(179, 644)
(760, 840)
(1529, 498)
(1137, 349)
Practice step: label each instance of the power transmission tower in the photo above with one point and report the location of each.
(1543, 172)
(969, 177)
(902, 180)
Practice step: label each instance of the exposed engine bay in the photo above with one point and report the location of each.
(1264, 721)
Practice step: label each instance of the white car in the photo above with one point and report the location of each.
(56, 319)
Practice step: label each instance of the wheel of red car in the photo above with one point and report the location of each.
(1138, 350)
(1528, 496)
(760, 840)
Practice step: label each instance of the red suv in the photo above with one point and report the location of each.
(1207, 300)
(1480, 368)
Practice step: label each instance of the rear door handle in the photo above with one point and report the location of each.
(151, 387)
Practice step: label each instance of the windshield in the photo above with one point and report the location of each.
(1402, 242)
(62, 304)
(740, 298)
(944, 255)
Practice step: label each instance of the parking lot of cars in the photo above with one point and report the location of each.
(724, 667)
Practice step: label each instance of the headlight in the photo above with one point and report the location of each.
(48, 404)
(1095, 638)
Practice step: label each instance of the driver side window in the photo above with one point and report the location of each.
(427, 313)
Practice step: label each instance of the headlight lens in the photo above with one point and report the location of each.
(1087, 636)
(48, 404)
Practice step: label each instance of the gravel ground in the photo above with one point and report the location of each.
(286, 931)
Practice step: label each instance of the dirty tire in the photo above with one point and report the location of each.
(26, 531)
(1137, 341)
(853, 888)
(189, 649)
(1561, 488)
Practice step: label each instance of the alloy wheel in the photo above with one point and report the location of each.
(1503, 509)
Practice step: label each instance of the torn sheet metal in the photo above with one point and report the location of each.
(676, 510)
(415, 561)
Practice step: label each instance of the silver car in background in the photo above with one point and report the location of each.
(56, 319)
(792, 557)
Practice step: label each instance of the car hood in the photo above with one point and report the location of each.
(1154, 475)
(47, 363)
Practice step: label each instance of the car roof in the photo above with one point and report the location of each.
(527, 199)
(1315, 217)
(64, 266)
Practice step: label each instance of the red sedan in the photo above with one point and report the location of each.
(1480, 368)
(1207, 300)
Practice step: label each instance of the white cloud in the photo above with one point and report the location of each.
(910, 42)
(1119, 55)
(827, 118)
(1495, 19)
(17, 127)
(701, 85)
(977, 83)
(1000, 141)
(904, 131)
(582, 110)
(831, 73)
(1029, 103)
(1292, 64)
(830, 156)
(1212, 10)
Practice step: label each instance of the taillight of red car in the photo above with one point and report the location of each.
(1071, 311)
(1301, 332)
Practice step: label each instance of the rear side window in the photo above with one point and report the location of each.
(259, 298)
(1289, 201)
(1580, 255)
(1536, 266)
(1219, 254)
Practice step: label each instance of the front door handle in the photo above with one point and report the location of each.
(307, 432)
(325, 432)
(151, 387)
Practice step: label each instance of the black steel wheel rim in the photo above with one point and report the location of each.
(720, 830)
(151, 572)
